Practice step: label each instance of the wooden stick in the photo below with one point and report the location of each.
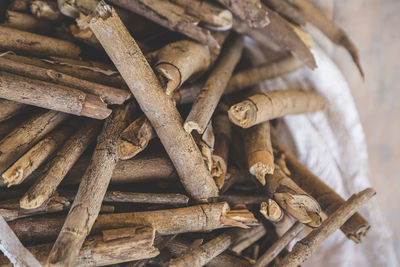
(26, 22)
(207, 12)
(9, 125)
(330, 29)
(85, 70)
(46, 10)
(293, 199)
(109, 95)
(16, 143)
(34, 157)
(260, 157)
(87, 203)
(13, 249)
(271, 210)
(47, 181)
(244, 238)
(156, 105)
(251, 11)
(9, 109)
(34, 44)
(356, 227)
(176, 62)
(279, 245)
(139, 169)
(187, 93)
(19, 5)
(270, 105)
(307, 246)
(172, 17)
(129, 197)
(65, 99)
(112, 247)
(135, 138)
(287, 11)
(199, 218)
(208, 98)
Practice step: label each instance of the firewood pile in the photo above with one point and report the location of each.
(136, 132)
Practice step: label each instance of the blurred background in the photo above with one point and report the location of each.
(374, 26)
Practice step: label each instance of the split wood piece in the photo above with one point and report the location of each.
(62, 98)
(178, 247)
(87, 203)
(16, 143)
(112, 247)
(222, 132)
(252, 11)
(176, 62)
(13, 249)
(172, 17)
(260, 157)
(139, 169)
(259, 108)
(207, 100)
(135, 138)
(271, 210)
(281, 34)
(293, 199)
(109, 95)
(156, 105)
(279, 245)
(9, 109)
(19, 5)
(356, 227)
(287, 11)
(10, 209)
(207, 12)
(307, 246)
(34, 157)
(47, 181)
(200, 218)
(330, 29)
(47, 10)
(34, 44)
(26, 22)
(254, 75)
(85, 70)
(244, 238)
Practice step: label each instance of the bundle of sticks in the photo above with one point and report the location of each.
(98, 166)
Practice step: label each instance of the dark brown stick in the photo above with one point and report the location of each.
(307, 246)
(87, 203)
(129, 197)
(156, 105)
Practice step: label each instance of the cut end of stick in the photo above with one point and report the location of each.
(189, 126)
(13, 176)
(218, 170)
(171, 75)
(238, 218)
(261, 163)
(271, 211)
(95, 108)
(29, 202)
(243, 114)
(223, 19)
(362, 231)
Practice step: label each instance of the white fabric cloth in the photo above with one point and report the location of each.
(332, 145)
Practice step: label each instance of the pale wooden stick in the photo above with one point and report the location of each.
(34, 157)
(307, 246)
(87, 203)
(16, 143)
(9, 109)
(21, 42)
(156, 105)
(13, 249)
(207, 100)
(135, 138)
(110, 95)
(279, 245)
(273, 104)
(112, 247)
(48, 180)
(271, 210)
(251, 11)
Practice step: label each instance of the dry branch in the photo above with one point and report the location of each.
(62, 98)
(26, 22)
(34, 44)
(270, 105)
(110, 95)
(87, 203)
(129, 197)
(16, 143)
(307, 246)
(207, 100)
(157, 106)
(55, 170)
